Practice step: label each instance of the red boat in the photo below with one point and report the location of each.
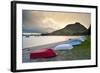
(42, 53)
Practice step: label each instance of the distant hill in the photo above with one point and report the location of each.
(71, 29)
(88, 31)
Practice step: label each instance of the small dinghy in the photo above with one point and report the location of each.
(82, 38)
(42, 53)
(74, 42)
(63, 47)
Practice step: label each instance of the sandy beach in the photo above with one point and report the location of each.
(26, 51)
(61, 55)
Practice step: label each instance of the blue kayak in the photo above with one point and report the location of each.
(74, 42)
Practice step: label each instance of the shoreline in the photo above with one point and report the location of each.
(80, 52)
(45, 40)
(45, 46)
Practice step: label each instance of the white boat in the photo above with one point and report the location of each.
(63, 47)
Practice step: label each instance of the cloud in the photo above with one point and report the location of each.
(45, 21)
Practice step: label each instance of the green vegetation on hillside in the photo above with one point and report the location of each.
(82, 51)
(72, 29)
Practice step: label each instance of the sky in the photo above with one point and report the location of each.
(47, 21)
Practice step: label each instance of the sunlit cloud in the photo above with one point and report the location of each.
(44, 21)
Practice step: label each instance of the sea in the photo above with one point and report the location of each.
(34, 41)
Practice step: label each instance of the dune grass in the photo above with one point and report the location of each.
(82, 51)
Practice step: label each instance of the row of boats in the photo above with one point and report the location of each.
(51, 52)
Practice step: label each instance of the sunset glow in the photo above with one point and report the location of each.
(39, 21)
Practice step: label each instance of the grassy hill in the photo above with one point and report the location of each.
(71, 29)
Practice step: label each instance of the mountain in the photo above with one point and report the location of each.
(71, 29)
(88, 31)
